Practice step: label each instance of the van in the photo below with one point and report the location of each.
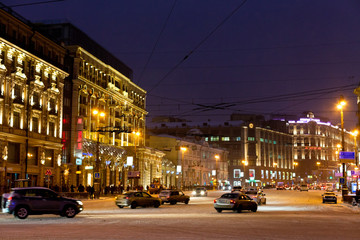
(304, 187)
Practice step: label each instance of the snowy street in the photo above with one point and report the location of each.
(287, 215)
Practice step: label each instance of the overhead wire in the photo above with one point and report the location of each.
(34, 3)
(156, 43)
(197, 46)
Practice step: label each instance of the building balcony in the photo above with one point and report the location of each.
(18, 101)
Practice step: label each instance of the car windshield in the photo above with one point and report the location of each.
(200, 189)
(230, 195)
(332, 194)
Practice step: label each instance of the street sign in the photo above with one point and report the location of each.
(97, 175)
(48, 172)
(342, 180)
(78, 161)
(347, 157)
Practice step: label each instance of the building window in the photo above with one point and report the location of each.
(251, 139)
(51, 129)
(225, 139)
(16, 120)
(13, 153)
(237, 173)
(32, 156)
(238, 139)
(35, 124)
(49, 158)
(214, 138)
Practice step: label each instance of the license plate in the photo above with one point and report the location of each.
(223, 201)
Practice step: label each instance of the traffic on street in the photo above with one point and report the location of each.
(286, 213)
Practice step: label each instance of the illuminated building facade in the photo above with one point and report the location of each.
(316, 146)
(31, 90)
(102, 107)
(259, 152)
(202, 164)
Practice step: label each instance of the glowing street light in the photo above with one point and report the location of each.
(341, 106)
(183, 150)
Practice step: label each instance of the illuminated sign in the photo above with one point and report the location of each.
(89, 167)
(129, 161)
(178, 168)
(78, 161)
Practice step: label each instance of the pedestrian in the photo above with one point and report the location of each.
(72, 188)
(81, 188)
(128, 188)
(92, 190)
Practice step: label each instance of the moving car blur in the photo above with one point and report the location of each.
(135, 199)
(236, 202)
(329, 197)
(173, 197)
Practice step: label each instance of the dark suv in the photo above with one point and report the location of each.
(39, 200)
(173, 196)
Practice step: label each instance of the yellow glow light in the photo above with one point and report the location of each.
(184, 149)
(95, 112)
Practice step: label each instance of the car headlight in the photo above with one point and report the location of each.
(193, 193)
(79, 202)
(202, 192)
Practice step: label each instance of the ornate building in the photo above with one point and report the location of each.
(31, 90)
(102, 107)
(316, 146)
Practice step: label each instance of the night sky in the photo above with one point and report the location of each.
(256, 56)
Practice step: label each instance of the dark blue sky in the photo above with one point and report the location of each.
(264, 50)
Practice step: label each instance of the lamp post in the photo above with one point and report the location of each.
(136, 164)
(217, 157)
(318, 172)
(355, 133)
(245, 163)
(97, 174)
(183, 150)
(295, 164)
(341, 106)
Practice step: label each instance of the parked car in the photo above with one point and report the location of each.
(304, 187)
(329, 197)
(173, 196)
(199, 192)
(236, 189)
(251, 190)
(258, 197)
(23, 202)
(135, 199)
(235, 201)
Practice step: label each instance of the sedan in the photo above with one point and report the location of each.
(258, 197)
(329, 197)
(135, 199)
(236, 202)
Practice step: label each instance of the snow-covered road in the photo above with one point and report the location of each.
(287, 215)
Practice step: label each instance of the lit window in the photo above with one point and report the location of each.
(238, 139)
(251, 139)
(225, 139)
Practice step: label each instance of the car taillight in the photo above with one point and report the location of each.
(168, 197)
(127, 198)
(232, 201)
(10, 198)
(215, 201)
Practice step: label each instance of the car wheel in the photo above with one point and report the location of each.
(156, 204)
(335, 202)
(219, 210)
(323, 201)
(120, 206)
(254, 209)
(133, 205)
(162, 203)
(173, 202)
(21, 212)
(69, 211)
(239, 208)
(186, 201)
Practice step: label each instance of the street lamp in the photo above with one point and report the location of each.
(341, 106)
(318, 173)
(217, 157)
(295, 164)
(136, 136)
(97, 175)
(183, 150)
(245, 163)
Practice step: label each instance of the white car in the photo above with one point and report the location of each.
(304, 187)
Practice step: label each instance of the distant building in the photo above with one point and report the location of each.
(200, 163)
(31, 104)
(316, 148)
(260, 152)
